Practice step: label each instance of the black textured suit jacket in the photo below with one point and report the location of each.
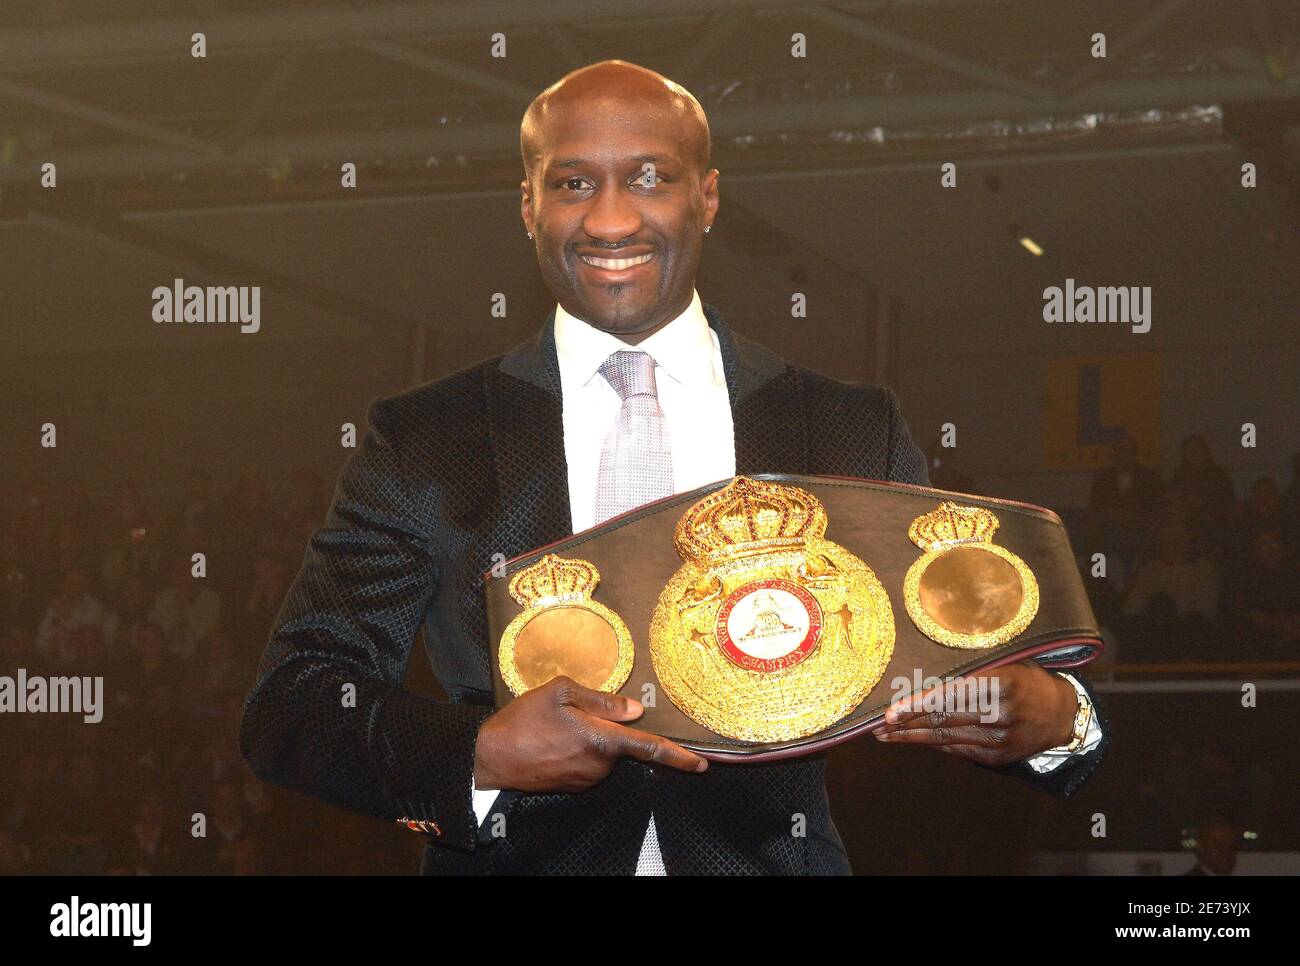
(451, 474)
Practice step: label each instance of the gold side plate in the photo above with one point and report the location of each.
(562, 630)
(966, 591)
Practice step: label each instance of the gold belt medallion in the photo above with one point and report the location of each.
(768, 631)
(562, 630)
(965, 590)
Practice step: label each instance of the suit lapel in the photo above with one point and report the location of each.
(525, 407)
(767, 409)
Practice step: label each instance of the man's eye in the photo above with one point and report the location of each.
(648, 179)
(569, 181)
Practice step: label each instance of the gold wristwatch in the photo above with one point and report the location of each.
(1082, 718)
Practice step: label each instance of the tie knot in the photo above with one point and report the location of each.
(630, 374)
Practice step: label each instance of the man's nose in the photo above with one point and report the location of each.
(613, 215)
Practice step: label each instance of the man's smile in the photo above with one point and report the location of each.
(616, 269)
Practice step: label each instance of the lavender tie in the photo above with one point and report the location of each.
(636, 465)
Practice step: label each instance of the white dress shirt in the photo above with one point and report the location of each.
(693, 396)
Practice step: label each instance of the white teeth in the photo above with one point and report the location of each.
(616, 264)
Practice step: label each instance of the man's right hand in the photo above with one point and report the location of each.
(562, 737)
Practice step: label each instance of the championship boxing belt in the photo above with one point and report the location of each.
(770, 616)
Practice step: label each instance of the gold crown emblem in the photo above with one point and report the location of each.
(952, 524)
(553, 579)
(749, 516)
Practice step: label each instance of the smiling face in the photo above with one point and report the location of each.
(617, 196)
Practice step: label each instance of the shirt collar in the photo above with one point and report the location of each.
(683, 349)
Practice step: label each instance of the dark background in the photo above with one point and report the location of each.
(225, 170)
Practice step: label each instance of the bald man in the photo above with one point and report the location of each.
(632, 390)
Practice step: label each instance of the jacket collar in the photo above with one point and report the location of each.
(747, 365)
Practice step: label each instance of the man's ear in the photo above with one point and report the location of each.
(712, 200)
(526, 204)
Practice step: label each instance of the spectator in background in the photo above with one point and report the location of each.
(145, 666)
(74, 817)
(1173, 598)
(1217, 841)
(152, 841)
(1122, 505)
(1204, 480)
(1267, 596)
(1262, 511)
(1210, 499)
(133, 605)
(1187, 580)
(215, 675)
(226, 826)
(187, 610)
(74, 607)
(197, 505)
(131, 544)
(270, 584)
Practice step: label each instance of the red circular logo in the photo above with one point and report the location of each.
(769, 624)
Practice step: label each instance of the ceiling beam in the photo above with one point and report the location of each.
(501, 138)
(899, 44)
(269, 93)
(1134, 35)
(719, 29)
(66, 106)
(441, 67)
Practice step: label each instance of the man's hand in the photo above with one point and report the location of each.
(561, 737)
(1034, 711)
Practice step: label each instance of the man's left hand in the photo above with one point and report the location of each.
(1034, 711)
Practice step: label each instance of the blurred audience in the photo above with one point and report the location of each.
(107, 588)
(1193, 574)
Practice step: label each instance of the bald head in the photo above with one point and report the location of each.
(617, 82)
(618, 194)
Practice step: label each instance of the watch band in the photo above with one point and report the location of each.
(1082, 718)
